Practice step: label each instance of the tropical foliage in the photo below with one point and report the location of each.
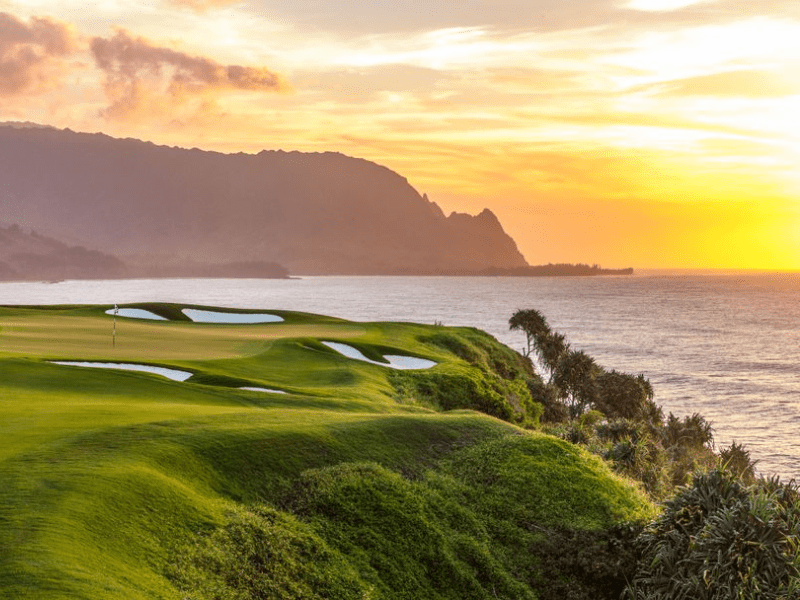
(718, 539)
(724, 535)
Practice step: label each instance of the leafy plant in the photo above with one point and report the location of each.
(720, 540)
(575, 376)
(621, 395)
(546, 394)
(689, 443)
(736, 460)
(547, 345)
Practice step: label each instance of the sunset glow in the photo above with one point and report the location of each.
(646, 133)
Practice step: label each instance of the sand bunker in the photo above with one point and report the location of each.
(136, 313)
(395, 361)
(173, 374)
(259, 389)
(210, 316)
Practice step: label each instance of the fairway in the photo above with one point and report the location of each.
(87, 333)
(113, 479)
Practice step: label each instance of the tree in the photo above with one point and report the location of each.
(550, 348)
(547, 345)
(575, 376)
(532, 323)
(623, 396)
(689, 443)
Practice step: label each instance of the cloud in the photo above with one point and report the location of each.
(353, 18)
(741, 83)
(139, 73)
(202, 5)
(32, 54)
(388, 16)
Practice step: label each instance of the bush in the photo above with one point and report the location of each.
(688, 443)
(736, 460)
(586, 565)
(720, 540)
(636, 453)
(553, 409)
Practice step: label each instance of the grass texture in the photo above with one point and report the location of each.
(360, 482)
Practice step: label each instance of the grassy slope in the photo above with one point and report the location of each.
(120, 484)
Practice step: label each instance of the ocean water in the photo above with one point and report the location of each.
(724, 345)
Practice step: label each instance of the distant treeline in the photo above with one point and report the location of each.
(557, 270)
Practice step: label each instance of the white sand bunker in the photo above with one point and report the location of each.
(265, 390)
(136, 313)
(173, 374)
(395, 361)
(210, 316)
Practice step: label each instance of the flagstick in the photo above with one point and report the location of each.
(114, 330)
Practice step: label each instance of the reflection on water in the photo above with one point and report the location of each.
(727, 346)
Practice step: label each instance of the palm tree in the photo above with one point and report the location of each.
(530, 321)
(548, 346)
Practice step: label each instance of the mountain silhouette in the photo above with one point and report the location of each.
(319, 213)
(28, 255)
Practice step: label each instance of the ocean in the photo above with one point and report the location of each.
(721, 344)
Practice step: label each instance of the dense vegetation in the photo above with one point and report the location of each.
(719, 539)
(723, 534)
(478, 478)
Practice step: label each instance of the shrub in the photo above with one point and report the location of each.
(586, 565)
(553, 410)
(688, 443)
(621, 395)
(736, 460)
(720, 540)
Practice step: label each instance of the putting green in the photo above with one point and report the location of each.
(62, 334)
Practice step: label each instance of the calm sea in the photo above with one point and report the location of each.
(726, 346)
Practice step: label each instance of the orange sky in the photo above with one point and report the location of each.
(644, 133)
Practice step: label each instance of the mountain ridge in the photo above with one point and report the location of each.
(314, 213)
(29, 256)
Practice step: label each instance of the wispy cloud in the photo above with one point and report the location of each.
(663, 5)
(138, 73)
(32, 54)
(740, 83)
(203, 5)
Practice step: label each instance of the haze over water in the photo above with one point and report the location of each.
(726, 346)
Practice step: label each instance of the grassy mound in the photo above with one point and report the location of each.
(128, 485)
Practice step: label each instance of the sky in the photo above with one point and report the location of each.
(643, 133)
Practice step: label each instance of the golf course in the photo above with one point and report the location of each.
(301, 456)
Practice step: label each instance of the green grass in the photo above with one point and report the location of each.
(353, 485)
